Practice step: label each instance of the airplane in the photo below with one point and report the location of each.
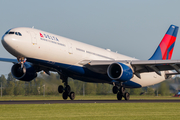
(36, 50)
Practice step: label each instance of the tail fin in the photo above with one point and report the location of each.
(165, 49)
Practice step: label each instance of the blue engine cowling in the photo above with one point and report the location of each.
(119, 71)
(27, 73)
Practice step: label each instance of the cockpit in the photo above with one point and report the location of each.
(11, 32)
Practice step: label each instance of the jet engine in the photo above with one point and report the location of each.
(119, 71)
(24, 73)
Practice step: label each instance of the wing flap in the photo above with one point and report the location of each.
(159, 65)
(139, 66)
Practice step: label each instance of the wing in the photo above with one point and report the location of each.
(138, 66)
(8, 60)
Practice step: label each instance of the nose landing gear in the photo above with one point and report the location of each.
(21, 61)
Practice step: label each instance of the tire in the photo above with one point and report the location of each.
(67, 89)
(65, 95)
(115, 89)
(126, 96)
(72, 95)
(122, 90)
(119, 96)
(60, 89)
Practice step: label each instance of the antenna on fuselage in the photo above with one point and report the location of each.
(32, 27)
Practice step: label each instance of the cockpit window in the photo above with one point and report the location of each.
(19, 34)
(16, 33)
(7, 32)
(11, 33)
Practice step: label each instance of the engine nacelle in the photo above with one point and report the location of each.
(119, 71)
(27, 73)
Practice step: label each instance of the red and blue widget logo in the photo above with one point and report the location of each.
(50, 37)
(41, 35)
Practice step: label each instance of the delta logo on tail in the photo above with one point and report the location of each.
(166, 47)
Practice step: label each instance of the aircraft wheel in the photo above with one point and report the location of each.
(126, 96)
(122, 90)
(119, 96)
(115, 89)
(72, 95)
(60, 89)
(65, 95)
(67, 89)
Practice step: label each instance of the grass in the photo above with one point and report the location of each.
(80, 97)
(95, 111)
(88, 111)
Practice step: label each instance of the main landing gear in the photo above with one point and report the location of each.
(121, 92)
(66, 90)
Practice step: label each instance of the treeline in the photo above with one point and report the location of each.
(49, 85)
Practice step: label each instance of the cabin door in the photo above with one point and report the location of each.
(70, 48)
(33, 38)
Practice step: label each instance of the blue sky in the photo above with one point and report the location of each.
(131, 27)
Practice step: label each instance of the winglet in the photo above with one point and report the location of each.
(165, 49)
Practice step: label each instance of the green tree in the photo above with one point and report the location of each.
(71, 83)
(40, 82)
(150, 91)
(34, 88)
(99, 89)
(103, 89)
(10, 88)
(163, 89)
(10, 78)
(19, 88)
(135, 91)
(78, 87)
(3, 81)
(90, 88)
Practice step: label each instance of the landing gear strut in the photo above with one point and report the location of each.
(66, 90)
(120, 91)
(21, 61)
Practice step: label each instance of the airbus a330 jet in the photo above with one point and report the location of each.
(35, 50)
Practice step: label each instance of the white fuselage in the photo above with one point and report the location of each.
(46, 46)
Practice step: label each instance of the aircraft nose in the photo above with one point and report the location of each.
(2, 39)
(6, 40)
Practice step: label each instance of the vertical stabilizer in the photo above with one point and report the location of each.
(165, 49)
